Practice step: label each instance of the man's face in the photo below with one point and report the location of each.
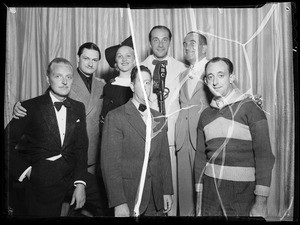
(137, 87)
(125, 58)
(60, 79)
(193, 50)
(88, 61)
(218, 78)
(160, 43)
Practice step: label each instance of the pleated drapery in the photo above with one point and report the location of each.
(258, 41)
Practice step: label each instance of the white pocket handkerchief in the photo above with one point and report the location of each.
(53, 158)
(77, 121)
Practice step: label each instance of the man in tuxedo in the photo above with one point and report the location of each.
(87, 89)
(123, 152)
(160, 38)
(51, 161)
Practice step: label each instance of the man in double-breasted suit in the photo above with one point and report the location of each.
(194, 97)
(123, 152)
(51, 162)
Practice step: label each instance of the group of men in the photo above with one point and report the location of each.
(181, 177)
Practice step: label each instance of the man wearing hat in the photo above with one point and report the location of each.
(160, 39)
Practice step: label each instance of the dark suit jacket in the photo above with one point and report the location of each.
(40, 134)
(122, 157)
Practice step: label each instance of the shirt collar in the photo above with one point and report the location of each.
(234, 96)
(135, 102)
(199, 65)
(83, 73)
(166, 58)
(53, 98)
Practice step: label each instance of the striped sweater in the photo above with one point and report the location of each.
(233, 144)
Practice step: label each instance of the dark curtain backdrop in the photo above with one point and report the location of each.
(259, 42)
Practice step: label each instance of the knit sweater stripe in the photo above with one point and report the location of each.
(227, 128)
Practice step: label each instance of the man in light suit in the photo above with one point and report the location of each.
(160, 38)
(194, 97)
(51, 162)
(123, 152)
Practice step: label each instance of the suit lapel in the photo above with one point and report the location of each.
(184, 87)
(70, 123)
(79, 88)
(135, 119)
(198, 87)
(94, 95)
(48, 113)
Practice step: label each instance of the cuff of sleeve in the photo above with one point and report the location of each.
(79, 182)
(262, 190)
(23, 175)
(198, 187)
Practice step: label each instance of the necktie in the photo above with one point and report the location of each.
(220, 103)
(58, 105)
(156, 75)
(142, 107)
(89, 83)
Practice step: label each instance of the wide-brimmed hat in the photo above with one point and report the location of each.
(110, 53)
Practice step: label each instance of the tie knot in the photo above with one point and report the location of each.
(142, 107)
(58, 105)
(158, 62)
(220, 102)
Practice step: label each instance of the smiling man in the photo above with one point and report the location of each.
(160, 38)
(194, 97)
(234, 160)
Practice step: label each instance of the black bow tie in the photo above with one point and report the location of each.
(155, 62)
(58, 105)
(142, 107)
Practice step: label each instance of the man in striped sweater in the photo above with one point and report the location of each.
(234, 160)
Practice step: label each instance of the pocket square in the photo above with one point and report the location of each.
(77, 121)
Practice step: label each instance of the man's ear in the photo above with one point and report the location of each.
(131, 86)
(47, 79)
(232, 78)
(204, 49)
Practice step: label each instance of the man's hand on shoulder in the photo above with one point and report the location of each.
(19, 111)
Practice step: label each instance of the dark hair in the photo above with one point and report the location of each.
(134, 72)
(202, 38)
(58, 60)
(160, 27)
(89, 45)
(225, 60)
